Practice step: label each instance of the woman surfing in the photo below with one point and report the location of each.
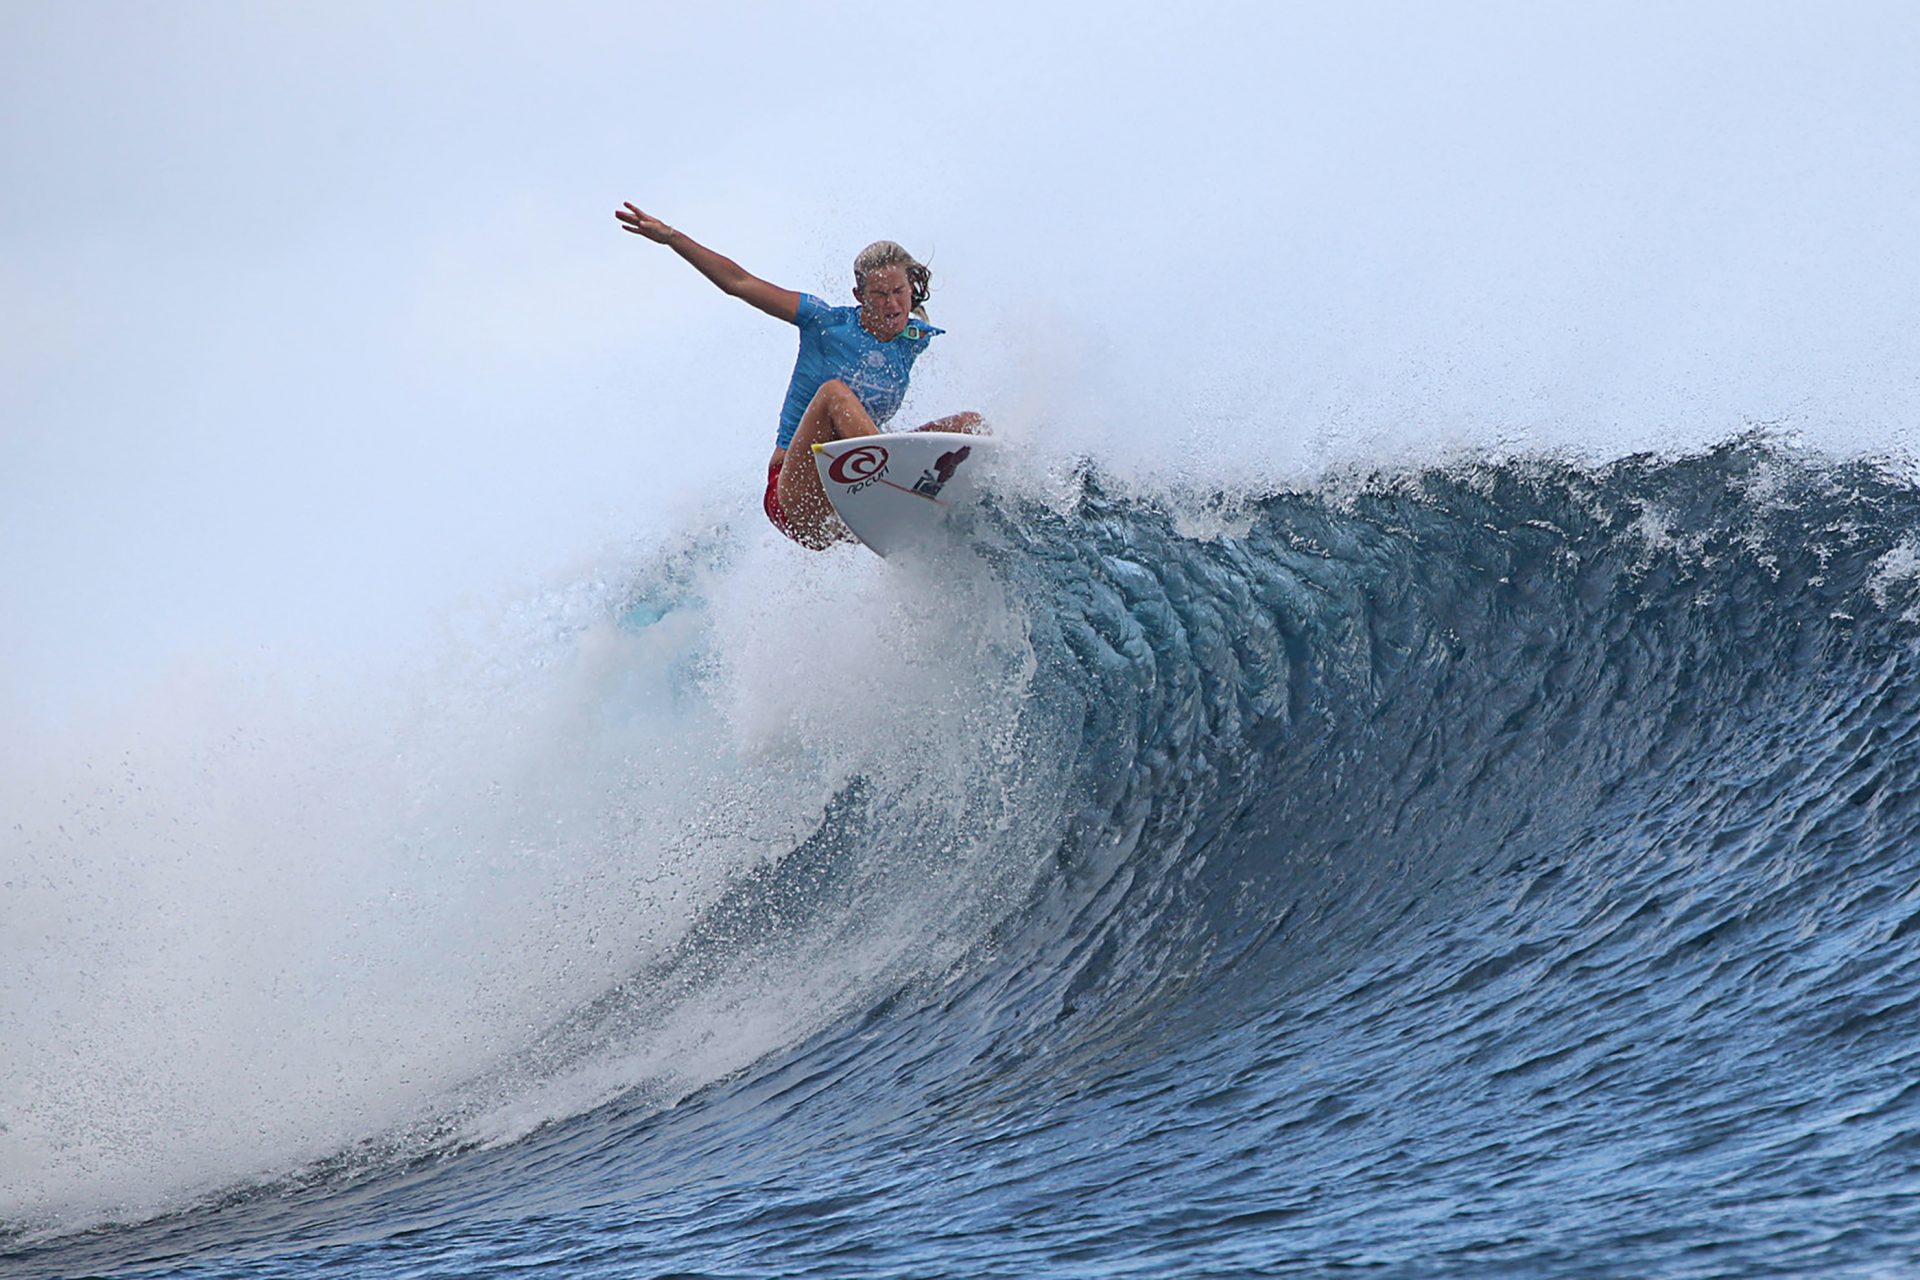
(852, 371)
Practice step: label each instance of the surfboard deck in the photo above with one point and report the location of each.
(896, 490)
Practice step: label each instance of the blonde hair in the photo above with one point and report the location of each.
(885, 253)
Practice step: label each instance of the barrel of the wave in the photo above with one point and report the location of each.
(901, 490)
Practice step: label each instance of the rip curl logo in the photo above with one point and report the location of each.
(858, 467)
(932, 481)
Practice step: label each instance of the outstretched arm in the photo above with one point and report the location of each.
(733, 279)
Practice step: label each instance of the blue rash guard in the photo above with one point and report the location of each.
(833, 345)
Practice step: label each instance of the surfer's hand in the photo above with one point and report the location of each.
(633, 219)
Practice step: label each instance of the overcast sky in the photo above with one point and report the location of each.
(314, 316)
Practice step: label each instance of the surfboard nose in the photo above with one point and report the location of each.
(893, 489)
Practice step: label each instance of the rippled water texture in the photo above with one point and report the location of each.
(1505, 870)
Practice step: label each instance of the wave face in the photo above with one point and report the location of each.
(1505, 869)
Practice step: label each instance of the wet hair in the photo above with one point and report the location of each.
(885, 253)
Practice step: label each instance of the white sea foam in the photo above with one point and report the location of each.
(259, 920)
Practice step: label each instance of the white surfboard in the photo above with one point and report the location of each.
(895, 490)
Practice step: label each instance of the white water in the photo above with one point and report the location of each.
(323, 357)
(272, 922)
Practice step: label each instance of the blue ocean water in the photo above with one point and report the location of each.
(1506, 869)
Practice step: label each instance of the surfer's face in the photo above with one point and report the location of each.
(886, 301)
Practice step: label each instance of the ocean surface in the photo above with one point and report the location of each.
(1509, 868)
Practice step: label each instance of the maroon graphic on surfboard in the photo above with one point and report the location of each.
(932, 482)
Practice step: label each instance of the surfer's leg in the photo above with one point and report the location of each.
(835, 414)
(969, 424)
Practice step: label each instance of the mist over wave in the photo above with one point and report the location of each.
(1301, 239)
(261, 923)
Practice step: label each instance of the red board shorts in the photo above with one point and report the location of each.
(772, 503)
(833, 530)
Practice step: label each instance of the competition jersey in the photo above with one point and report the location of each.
(833, 345)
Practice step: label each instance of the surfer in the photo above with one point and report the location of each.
(852, 371)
